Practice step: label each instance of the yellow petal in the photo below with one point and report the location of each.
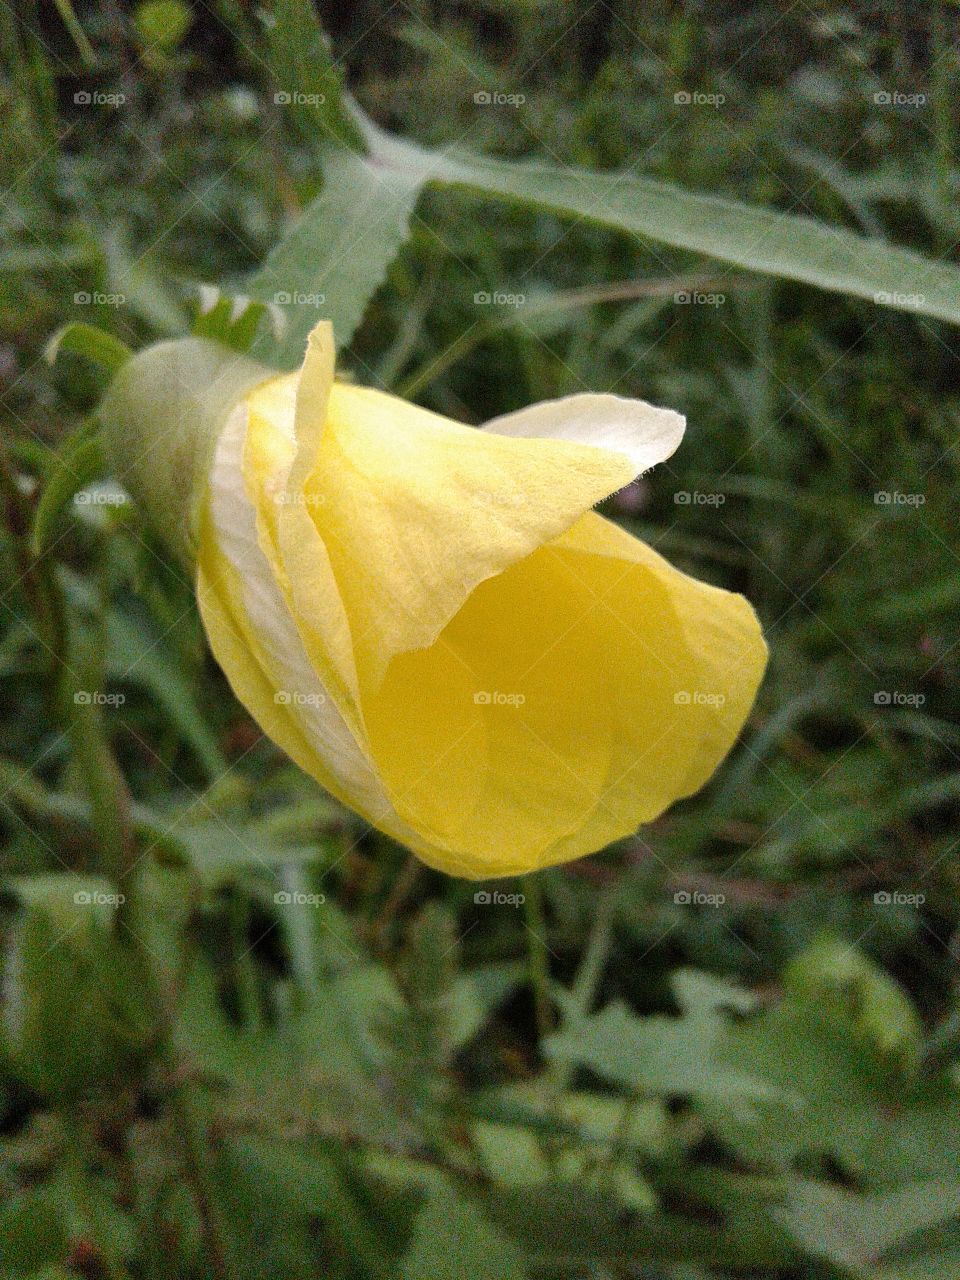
(577, 653)
(415, 511)
(511, 680)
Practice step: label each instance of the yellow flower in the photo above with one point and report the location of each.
(432, 621)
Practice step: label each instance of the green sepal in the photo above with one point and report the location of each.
(161, 418)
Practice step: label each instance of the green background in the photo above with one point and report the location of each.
(727, 1047)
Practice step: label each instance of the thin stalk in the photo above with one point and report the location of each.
(588, 977)
(537, 952)
(77, 33)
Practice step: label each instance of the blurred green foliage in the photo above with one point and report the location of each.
(728, 1047)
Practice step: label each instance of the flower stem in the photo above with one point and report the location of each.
(537, 951)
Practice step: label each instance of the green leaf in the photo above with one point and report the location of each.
(79, 462)
(233, 319)
(829, 1089)
(661, 1055)
(451, 1239)
(306, 82)
(217, 850)
(87, 340)
(162, 23)
(163, 677)
(331, 261)
(160, 419)
(767, 241)
(851, 1230)
(74, 1018)
(272, 1190)
(841, 979)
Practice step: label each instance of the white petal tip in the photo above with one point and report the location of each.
(643, 432)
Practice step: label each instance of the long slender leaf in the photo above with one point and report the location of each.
(332, 260)
(785, 245)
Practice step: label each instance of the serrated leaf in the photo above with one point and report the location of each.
(306, 81)
(233, 319)
(330, 262)
(831, 1092)
(328, 265)
(659, 1055)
